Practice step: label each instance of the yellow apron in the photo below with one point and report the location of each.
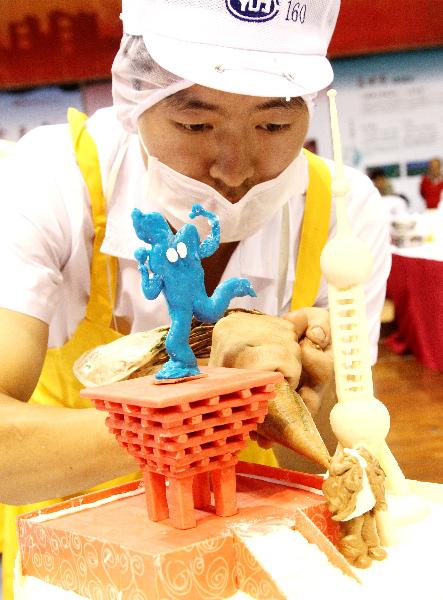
(314, 235)
(57, 385)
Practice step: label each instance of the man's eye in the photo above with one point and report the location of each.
(274, 127)
(194, 127)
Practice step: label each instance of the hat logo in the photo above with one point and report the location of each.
(253, 10)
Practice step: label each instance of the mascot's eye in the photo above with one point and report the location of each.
(171, 255)
(182, 250)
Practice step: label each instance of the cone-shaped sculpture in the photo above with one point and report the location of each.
(290, 424)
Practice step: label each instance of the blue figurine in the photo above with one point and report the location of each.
(175, 264)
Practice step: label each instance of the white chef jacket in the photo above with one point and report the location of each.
(46, 234)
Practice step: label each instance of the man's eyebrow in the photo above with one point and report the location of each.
(185, 100)
(280, 103)
(182, 100)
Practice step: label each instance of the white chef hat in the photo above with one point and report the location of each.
(254, 47)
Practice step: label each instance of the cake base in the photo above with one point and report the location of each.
(105, 541)
(103, 545)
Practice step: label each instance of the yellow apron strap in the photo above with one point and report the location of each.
(314, 233)
(103, 267)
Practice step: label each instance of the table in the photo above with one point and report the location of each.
(415, 285)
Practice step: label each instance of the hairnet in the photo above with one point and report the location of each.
(138, 82)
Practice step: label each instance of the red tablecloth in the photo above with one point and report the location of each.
(415, 286)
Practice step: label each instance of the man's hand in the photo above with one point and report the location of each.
(313, 332)
(247, 340)
(299, 346)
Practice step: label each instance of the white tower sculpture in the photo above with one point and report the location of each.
(358, 418)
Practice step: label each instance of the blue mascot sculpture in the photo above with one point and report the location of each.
(172, 264)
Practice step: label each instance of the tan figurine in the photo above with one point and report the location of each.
(355, 490)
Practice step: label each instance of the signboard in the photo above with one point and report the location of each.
(369, 26)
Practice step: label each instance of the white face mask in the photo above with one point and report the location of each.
(173, 194)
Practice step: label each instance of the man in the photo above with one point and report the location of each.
(212, 104)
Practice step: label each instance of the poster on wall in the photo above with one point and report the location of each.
(21, 111)
(391, 118)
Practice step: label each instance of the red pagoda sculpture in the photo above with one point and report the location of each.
(186, 437)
